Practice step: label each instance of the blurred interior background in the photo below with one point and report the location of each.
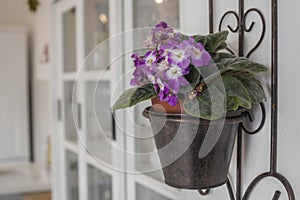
(57, 136)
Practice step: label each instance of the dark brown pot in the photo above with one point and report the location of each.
(180, 137)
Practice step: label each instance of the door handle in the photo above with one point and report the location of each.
(79, 119)
(59, 113)
(114, 137)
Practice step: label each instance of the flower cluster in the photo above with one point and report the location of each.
(167, 62)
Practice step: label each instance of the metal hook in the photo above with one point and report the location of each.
(250, 28)
(263, 120)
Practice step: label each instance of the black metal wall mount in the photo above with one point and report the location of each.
(241, 28)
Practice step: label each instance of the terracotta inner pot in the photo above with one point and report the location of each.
(165, 107)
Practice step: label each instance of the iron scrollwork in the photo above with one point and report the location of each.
(241, 28)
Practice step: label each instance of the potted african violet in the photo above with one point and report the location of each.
(198, 95)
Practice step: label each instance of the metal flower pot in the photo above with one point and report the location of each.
(194, 153)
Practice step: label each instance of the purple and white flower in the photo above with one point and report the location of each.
(175, 77)
(165, 94)
(150, 58)
(167, 62)
(162, 34)
(179, 57)
(199, 56)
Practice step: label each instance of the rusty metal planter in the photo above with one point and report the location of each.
(179, 138)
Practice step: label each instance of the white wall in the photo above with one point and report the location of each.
(289, 110)
(16, 13)
(256, 148)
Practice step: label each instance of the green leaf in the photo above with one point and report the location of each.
(192, 107)
(184, 37)
(210, 105)
(234, 63)
(253, 87)
(193, 78)
(235, 102)
(203, 39)
(213, 42)
(134, 96)
(219, 40)
(255, 68)
(236, 94)
(217, 57)
(243, 90)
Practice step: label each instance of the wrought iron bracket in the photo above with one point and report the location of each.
(241, 28)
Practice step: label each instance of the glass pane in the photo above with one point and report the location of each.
(147, 194)
(70, 128)
(99, 185)
(69, 40)
(72, 176)
(96, 31)
(148, 12)
(99, 119)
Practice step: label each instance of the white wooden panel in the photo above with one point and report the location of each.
(14, 123)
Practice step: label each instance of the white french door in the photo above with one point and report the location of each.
(86, 138)
(145, 179)
(95, 158)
